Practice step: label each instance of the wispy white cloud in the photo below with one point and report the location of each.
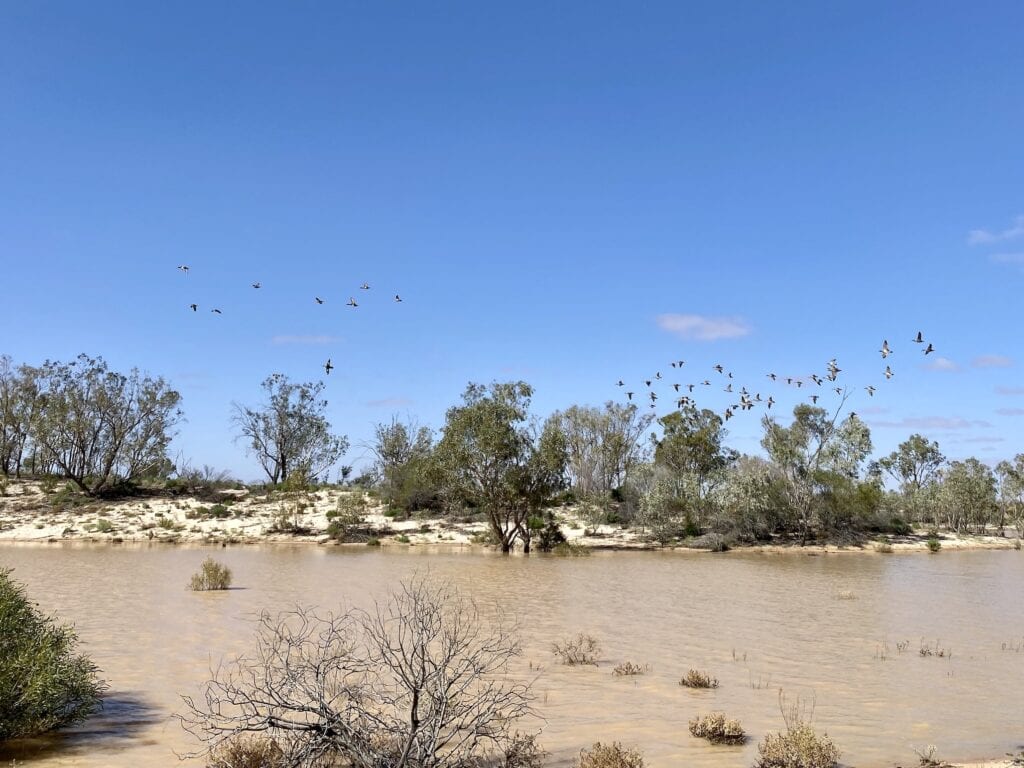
(991, 361)
(1007, 258)
(306, 340)
(941, 364)
(1010, 411)
(1011, 391)
(987, 236)
(982, 439)
(702, 328)
(390, 402)
(931, 422)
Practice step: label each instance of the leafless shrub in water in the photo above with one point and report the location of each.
(582, 649)
(927, 757)
(420, 681)
(628, 668)
(800, 746)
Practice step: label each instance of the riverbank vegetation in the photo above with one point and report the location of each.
(88, 433)
(44, 682)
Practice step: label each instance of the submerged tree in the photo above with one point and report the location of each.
(420, 681)
(491, 457)
(97, 426)
(290, 432)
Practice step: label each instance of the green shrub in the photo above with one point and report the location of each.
(44, 684)
(612, 755)
(246, 752)
(717, 729)
(697, 679)
(933, 543)
(212, 576)
(798, 747)
(578, 650)
(373, 541)
(218, 511)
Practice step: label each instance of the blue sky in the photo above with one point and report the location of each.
(546, 185)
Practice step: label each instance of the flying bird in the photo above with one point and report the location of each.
(398, 298)
(772, 376)
(675, 387)
(629, 395)
(647, 382)
(217, 311)
(919, 339)
(888, 372)
(929, 349)
(719, 368)
(328, 367)
(364, 287)
(183, 268)
(256, 285)
(770, 401)
(351, 302)
(193, 307)
(318, 300)
(814, 399)
(885, 349)
(620, 383)
(870, 390)
(657, 375)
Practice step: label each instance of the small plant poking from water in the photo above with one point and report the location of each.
(612, 755)
(927, 757)
(247, 752)
(933, 544)
(799, 746)
(212, 576)
(698, 679)
(927, 649)
(580, 650)
(846, 594)
(629, 669)
(718, 729)
(902, 645)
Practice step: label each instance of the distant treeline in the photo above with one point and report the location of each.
(674, 477)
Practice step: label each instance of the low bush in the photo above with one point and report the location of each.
(697, 679)
(798, 747)
(579, 650)
(246, 752)
(717, 729)
(44, 683)
(884, 548)
(212, 576)
(933, 543)
(628, 669)
(612, 755)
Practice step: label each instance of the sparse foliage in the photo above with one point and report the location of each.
(580, 649)
(718, 729)
(211, 576)
(612, 755)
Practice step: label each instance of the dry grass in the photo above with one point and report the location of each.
(612, 755)
(718, 729)
(798, 747)
(698, 679)
(582, 649)
(246, 752)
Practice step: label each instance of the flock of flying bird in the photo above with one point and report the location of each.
(749, 400)
(328, 367)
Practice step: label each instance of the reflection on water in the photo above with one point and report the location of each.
(826, 625)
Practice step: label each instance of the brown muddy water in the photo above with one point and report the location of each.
(826, 626)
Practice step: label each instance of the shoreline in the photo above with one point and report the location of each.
(28, 514)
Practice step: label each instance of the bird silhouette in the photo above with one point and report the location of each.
(318, 300)
(657, 375)
(217, 311)
(193, 307)
(772, 376)
(770, 401)
(919, 339)
(870, 390)
(675, 387)
(398, 298)
(814, 399)
(328, 367)
(719, 368)
(351, 302)
(885, 349)
(888, 372)
(629, 395)
(728, 413)
(256, 285)
(706, 383)
(647, 382)
(620, 383)
(690, 387)
(364, 287)
(184, 268)
(929, 349)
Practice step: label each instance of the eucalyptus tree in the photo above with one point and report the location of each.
(1011, 491)
(968, 494)
(811, 452)
(493, 456)
(603, 445)
(97, 426)
(916, 466)
(290, 432)
(403, 453)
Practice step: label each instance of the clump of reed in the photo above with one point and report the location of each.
(629, 669)
(612, 755)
